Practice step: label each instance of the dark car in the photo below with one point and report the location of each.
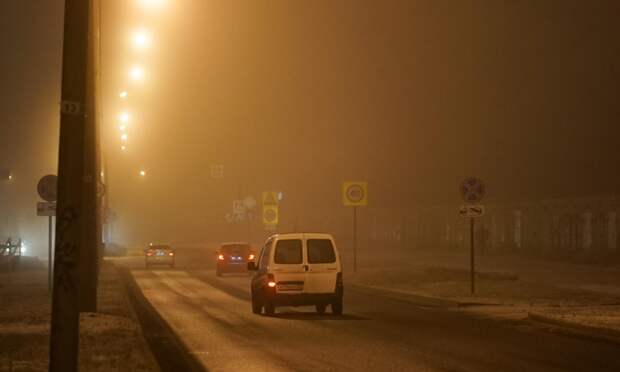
(233, 258)
(159, 255)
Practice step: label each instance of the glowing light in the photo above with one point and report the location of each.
(124, 117)
(142, 173)
(123, 128)
(123, 94)
(124, 137)
(152, 4)
(141, 40)
(271, 284)
(123, 147)
(136, 74)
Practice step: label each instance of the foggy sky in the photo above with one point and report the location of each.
(299, 96)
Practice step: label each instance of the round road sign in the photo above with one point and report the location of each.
(47, 187)
(355, 193)
(472, 190)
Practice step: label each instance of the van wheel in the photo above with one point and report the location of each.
(337, 307)
(320, 308)
(257, 307)
(270, 309)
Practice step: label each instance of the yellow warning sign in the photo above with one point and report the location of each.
(270, 198)
(270, 214)
(355, 193)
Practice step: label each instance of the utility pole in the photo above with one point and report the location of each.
(88, 268)
(70, 221)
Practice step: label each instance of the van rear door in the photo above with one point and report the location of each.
(288, 266)
(322, 263)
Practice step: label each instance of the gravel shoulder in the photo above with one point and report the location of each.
(110, 340)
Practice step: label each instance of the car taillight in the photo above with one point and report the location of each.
(170, 253)
(220, 257)
(149, 253)
(271, 281)
(251, 257)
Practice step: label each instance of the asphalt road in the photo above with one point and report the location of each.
(212, 318)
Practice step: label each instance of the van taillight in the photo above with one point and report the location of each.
(271, 281)
(220, 257)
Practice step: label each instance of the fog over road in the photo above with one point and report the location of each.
(212, 318)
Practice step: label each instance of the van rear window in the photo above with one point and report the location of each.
(288, 252)
(320, 251)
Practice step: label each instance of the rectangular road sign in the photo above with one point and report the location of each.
(270, 215)
(46, 209)
(217, 171)
(471, 211)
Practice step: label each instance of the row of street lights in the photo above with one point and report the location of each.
(141, 41)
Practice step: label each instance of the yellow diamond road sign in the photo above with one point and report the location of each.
(355, 194)
(270, 198)
(270, 214)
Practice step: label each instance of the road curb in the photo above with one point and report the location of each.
(169, 351)
(596, 333)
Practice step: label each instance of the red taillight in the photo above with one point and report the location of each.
(170, 253)
(251, 257)
(220, 257)
(271, 281)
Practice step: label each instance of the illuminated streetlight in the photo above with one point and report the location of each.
(141, 40)
(136, 74)
(123, 127)
(123, 147)
(124, 137)
(124, 117)
(151, 4)
(123, 94)
(142, 173)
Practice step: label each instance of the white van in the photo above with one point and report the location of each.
(300, 269)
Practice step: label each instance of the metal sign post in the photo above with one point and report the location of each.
(472, 256)
(355, 194)
(355, 239)
(50, 262)
(472, 191)
(47, 190)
